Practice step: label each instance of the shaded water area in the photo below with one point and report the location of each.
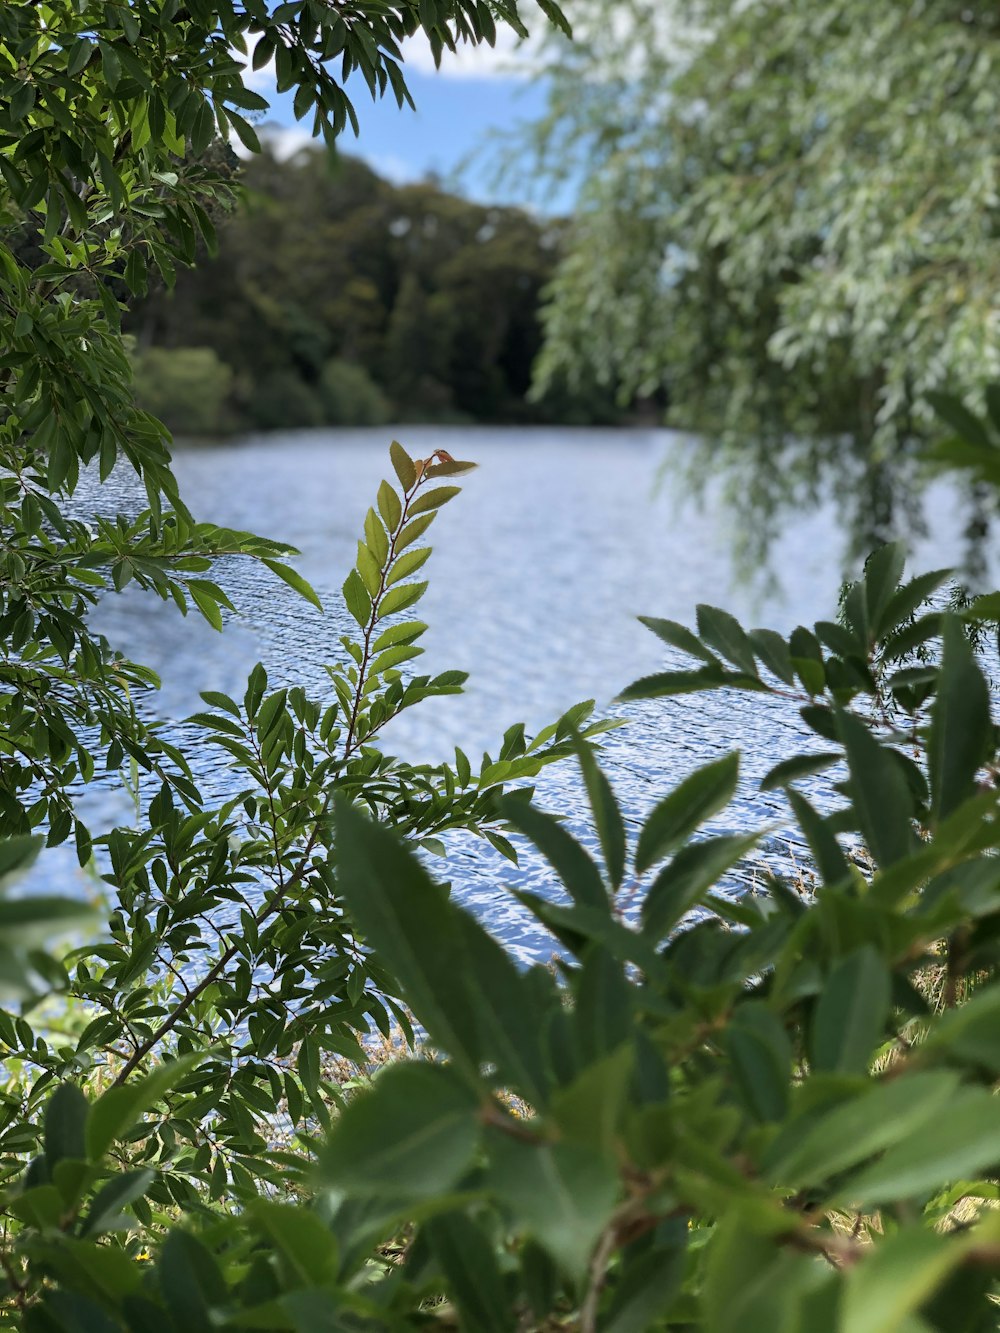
(559, 541)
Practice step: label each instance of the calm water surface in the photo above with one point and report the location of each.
(559, 541)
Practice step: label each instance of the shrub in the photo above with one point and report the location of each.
(188, 388)
(282, 400)
(350, 396)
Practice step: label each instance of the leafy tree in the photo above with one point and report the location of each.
(187, 388)
(788, 220)
(435, 298)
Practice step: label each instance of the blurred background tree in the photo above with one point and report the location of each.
(339, 298)
(788, 222)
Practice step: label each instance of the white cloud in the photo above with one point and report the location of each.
(510, 58)
(392, 167)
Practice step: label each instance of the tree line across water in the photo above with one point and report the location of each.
(339, 298)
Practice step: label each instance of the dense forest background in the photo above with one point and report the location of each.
(339, 298)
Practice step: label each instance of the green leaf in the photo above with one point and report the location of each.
(761, 1056)
(700, 796)
(509, 1020)
(65, 1125)
(401, 597)
(389, 506)
(414, 529)
(774, 652)
(19, 853)
(376, 538)
(563, 1195)
(303, 1238)
(607, 814)
(906, 600)
(403, 633)
(954, 1146)
(407, 564)
(831, 862)
(466, 1257)
(409, 922)
(294, 580)
(115, 1113)
(356, 596)
(964, 423)
(207, 605)
(894, 1280)
(434, 499)
(961, 733)
(369, 569)
(683, 883)
(851, 1013)
(727, 636)
(666, 683)
(571, 863)
(679, 636)
(412, 1136)
(115, 1195)
(879, 793)
(799, 766)
(403, 465)
(883, 571)
(810, 1151)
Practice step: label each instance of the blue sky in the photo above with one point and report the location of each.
(477, 95)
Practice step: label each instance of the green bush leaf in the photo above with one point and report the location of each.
(65, 1125)
(562, 1195)
(727, 636)
(961, 731)
(412, 1136)
(683, 883)
(578, 873)
(879, 793)
(409, 922)
(851, 1013)
(700, 796)
(403, 465)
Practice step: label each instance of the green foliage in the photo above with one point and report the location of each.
(326, 274)
(724, 1114)
(187, 388)
(784, 224)
(350, 396)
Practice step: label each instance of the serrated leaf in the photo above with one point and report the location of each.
(407, 564)
(401, 597)
(404, 633)
(727, 636)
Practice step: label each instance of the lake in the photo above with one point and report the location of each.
(540, 568)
